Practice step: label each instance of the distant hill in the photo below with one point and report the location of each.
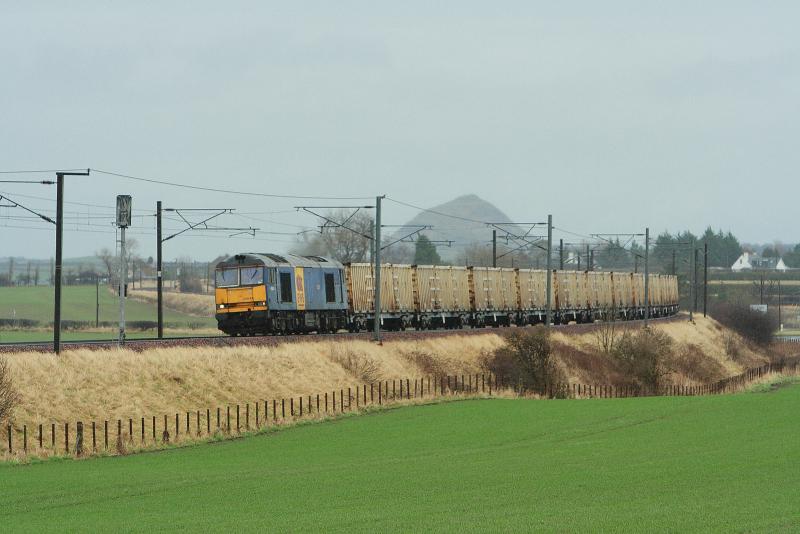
(462, 233)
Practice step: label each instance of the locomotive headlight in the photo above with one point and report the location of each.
(221, 306)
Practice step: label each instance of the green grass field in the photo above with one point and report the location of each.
(36, 303)
(725, 463)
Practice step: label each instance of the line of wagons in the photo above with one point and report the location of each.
(271, 294)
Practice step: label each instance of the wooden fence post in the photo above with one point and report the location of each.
(326, 402)
(165, 433)
(40, 434)
(142, 430)
(228, 419)
(10, 445)
(79, 439)
(301, 406)
(199, 431)
(317, 403)
(66, 438)
(283, 408)
(372, 393)
(380, 395)
(177, 426)
(274, 410)
(365, 394)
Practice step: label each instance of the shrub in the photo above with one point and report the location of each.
(526, 358)
(190, 285)
(427, 362)
(8, 394)
(358, 365)
(645, 355)
(752, 325)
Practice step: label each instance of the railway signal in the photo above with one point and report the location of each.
(124, 203)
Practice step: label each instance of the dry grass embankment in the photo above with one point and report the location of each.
(189, 303)
(702, 352)
(112, 384)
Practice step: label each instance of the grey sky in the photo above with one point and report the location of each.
(609, 115)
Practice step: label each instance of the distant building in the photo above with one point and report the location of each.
(749, 262)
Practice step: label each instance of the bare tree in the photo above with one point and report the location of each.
(109, 260)
(607, 332)
(347, 238)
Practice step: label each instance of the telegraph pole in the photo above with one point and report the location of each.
(96, 300)
(494, 248)
(674, 266)
(59, 248)
(691, 274)
(159, 275)
(377, 317)
(561, 254)
(591, 260)
(588, 259)
(705, 279)
(780, 318)
(549, 311)
(695, 279)
(646, 275)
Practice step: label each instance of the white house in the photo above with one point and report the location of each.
(749, 261)
(742, 264)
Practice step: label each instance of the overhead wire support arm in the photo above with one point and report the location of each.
(18, 205)
(415, 232)
(333, 223)
(195, 225)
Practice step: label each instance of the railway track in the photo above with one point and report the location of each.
(139, 345)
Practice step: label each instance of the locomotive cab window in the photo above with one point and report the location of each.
(286, 287)
(252, 276)
(330, 288)
(227, 277)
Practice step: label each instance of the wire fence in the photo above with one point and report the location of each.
(125, 436)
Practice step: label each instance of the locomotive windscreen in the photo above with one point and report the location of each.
(228, 277)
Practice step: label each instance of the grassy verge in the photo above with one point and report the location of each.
(717, 463)
(34, 336)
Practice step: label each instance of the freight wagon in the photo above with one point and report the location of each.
(271, 293)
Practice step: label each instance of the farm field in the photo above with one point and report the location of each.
(36, 303)
(721, 463)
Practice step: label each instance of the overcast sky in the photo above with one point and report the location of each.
(610, 115)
